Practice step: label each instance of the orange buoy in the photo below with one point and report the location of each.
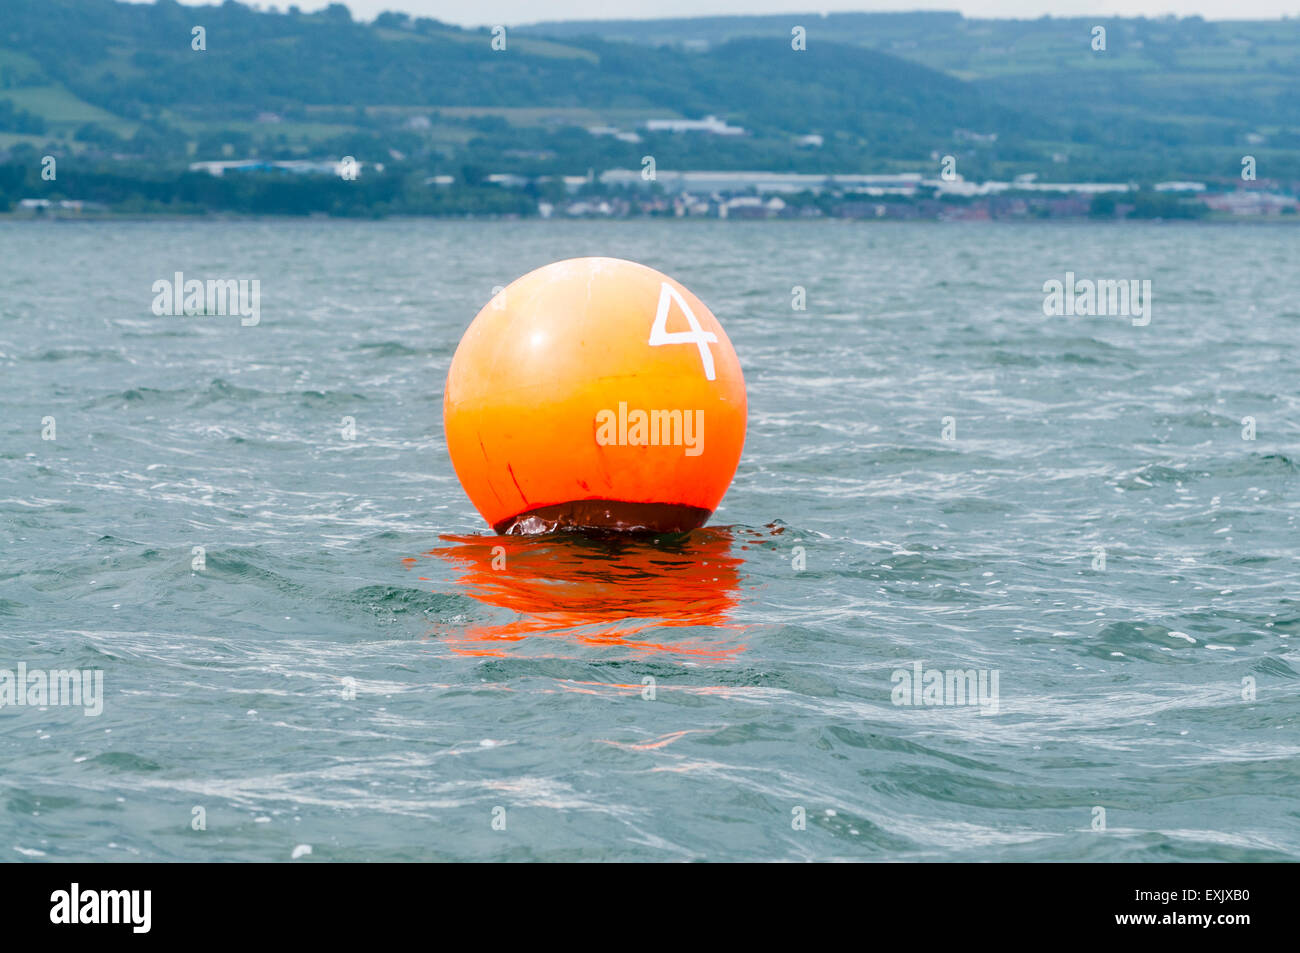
(595, 393)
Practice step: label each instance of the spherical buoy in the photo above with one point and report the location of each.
(595, 393)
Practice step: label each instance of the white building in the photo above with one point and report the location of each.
(710, 183)
(614, 131)
(709, 124)
(296, 166)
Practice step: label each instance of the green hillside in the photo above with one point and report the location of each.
(120, 89)
(129, 69)
(1174, 87)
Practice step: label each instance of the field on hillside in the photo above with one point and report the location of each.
(884, 92)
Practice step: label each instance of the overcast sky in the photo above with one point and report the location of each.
(481, 12)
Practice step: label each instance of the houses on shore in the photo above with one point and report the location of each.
(905, 195)
(757, 194)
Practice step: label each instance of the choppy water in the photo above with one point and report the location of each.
(339, 568)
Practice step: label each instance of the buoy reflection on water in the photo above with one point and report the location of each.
(598, 591)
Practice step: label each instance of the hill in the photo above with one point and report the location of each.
(146, 90)
(1187, 92)
(128, 71)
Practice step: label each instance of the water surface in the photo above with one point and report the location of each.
(346, 670)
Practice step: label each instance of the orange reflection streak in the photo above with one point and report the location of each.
(603, 591)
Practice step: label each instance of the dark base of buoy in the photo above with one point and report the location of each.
(605, 516)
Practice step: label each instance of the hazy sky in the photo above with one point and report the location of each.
(480, 12)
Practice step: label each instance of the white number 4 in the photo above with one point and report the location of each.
(659, 333)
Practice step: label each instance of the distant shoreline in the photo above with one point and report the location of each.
(223, 217)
